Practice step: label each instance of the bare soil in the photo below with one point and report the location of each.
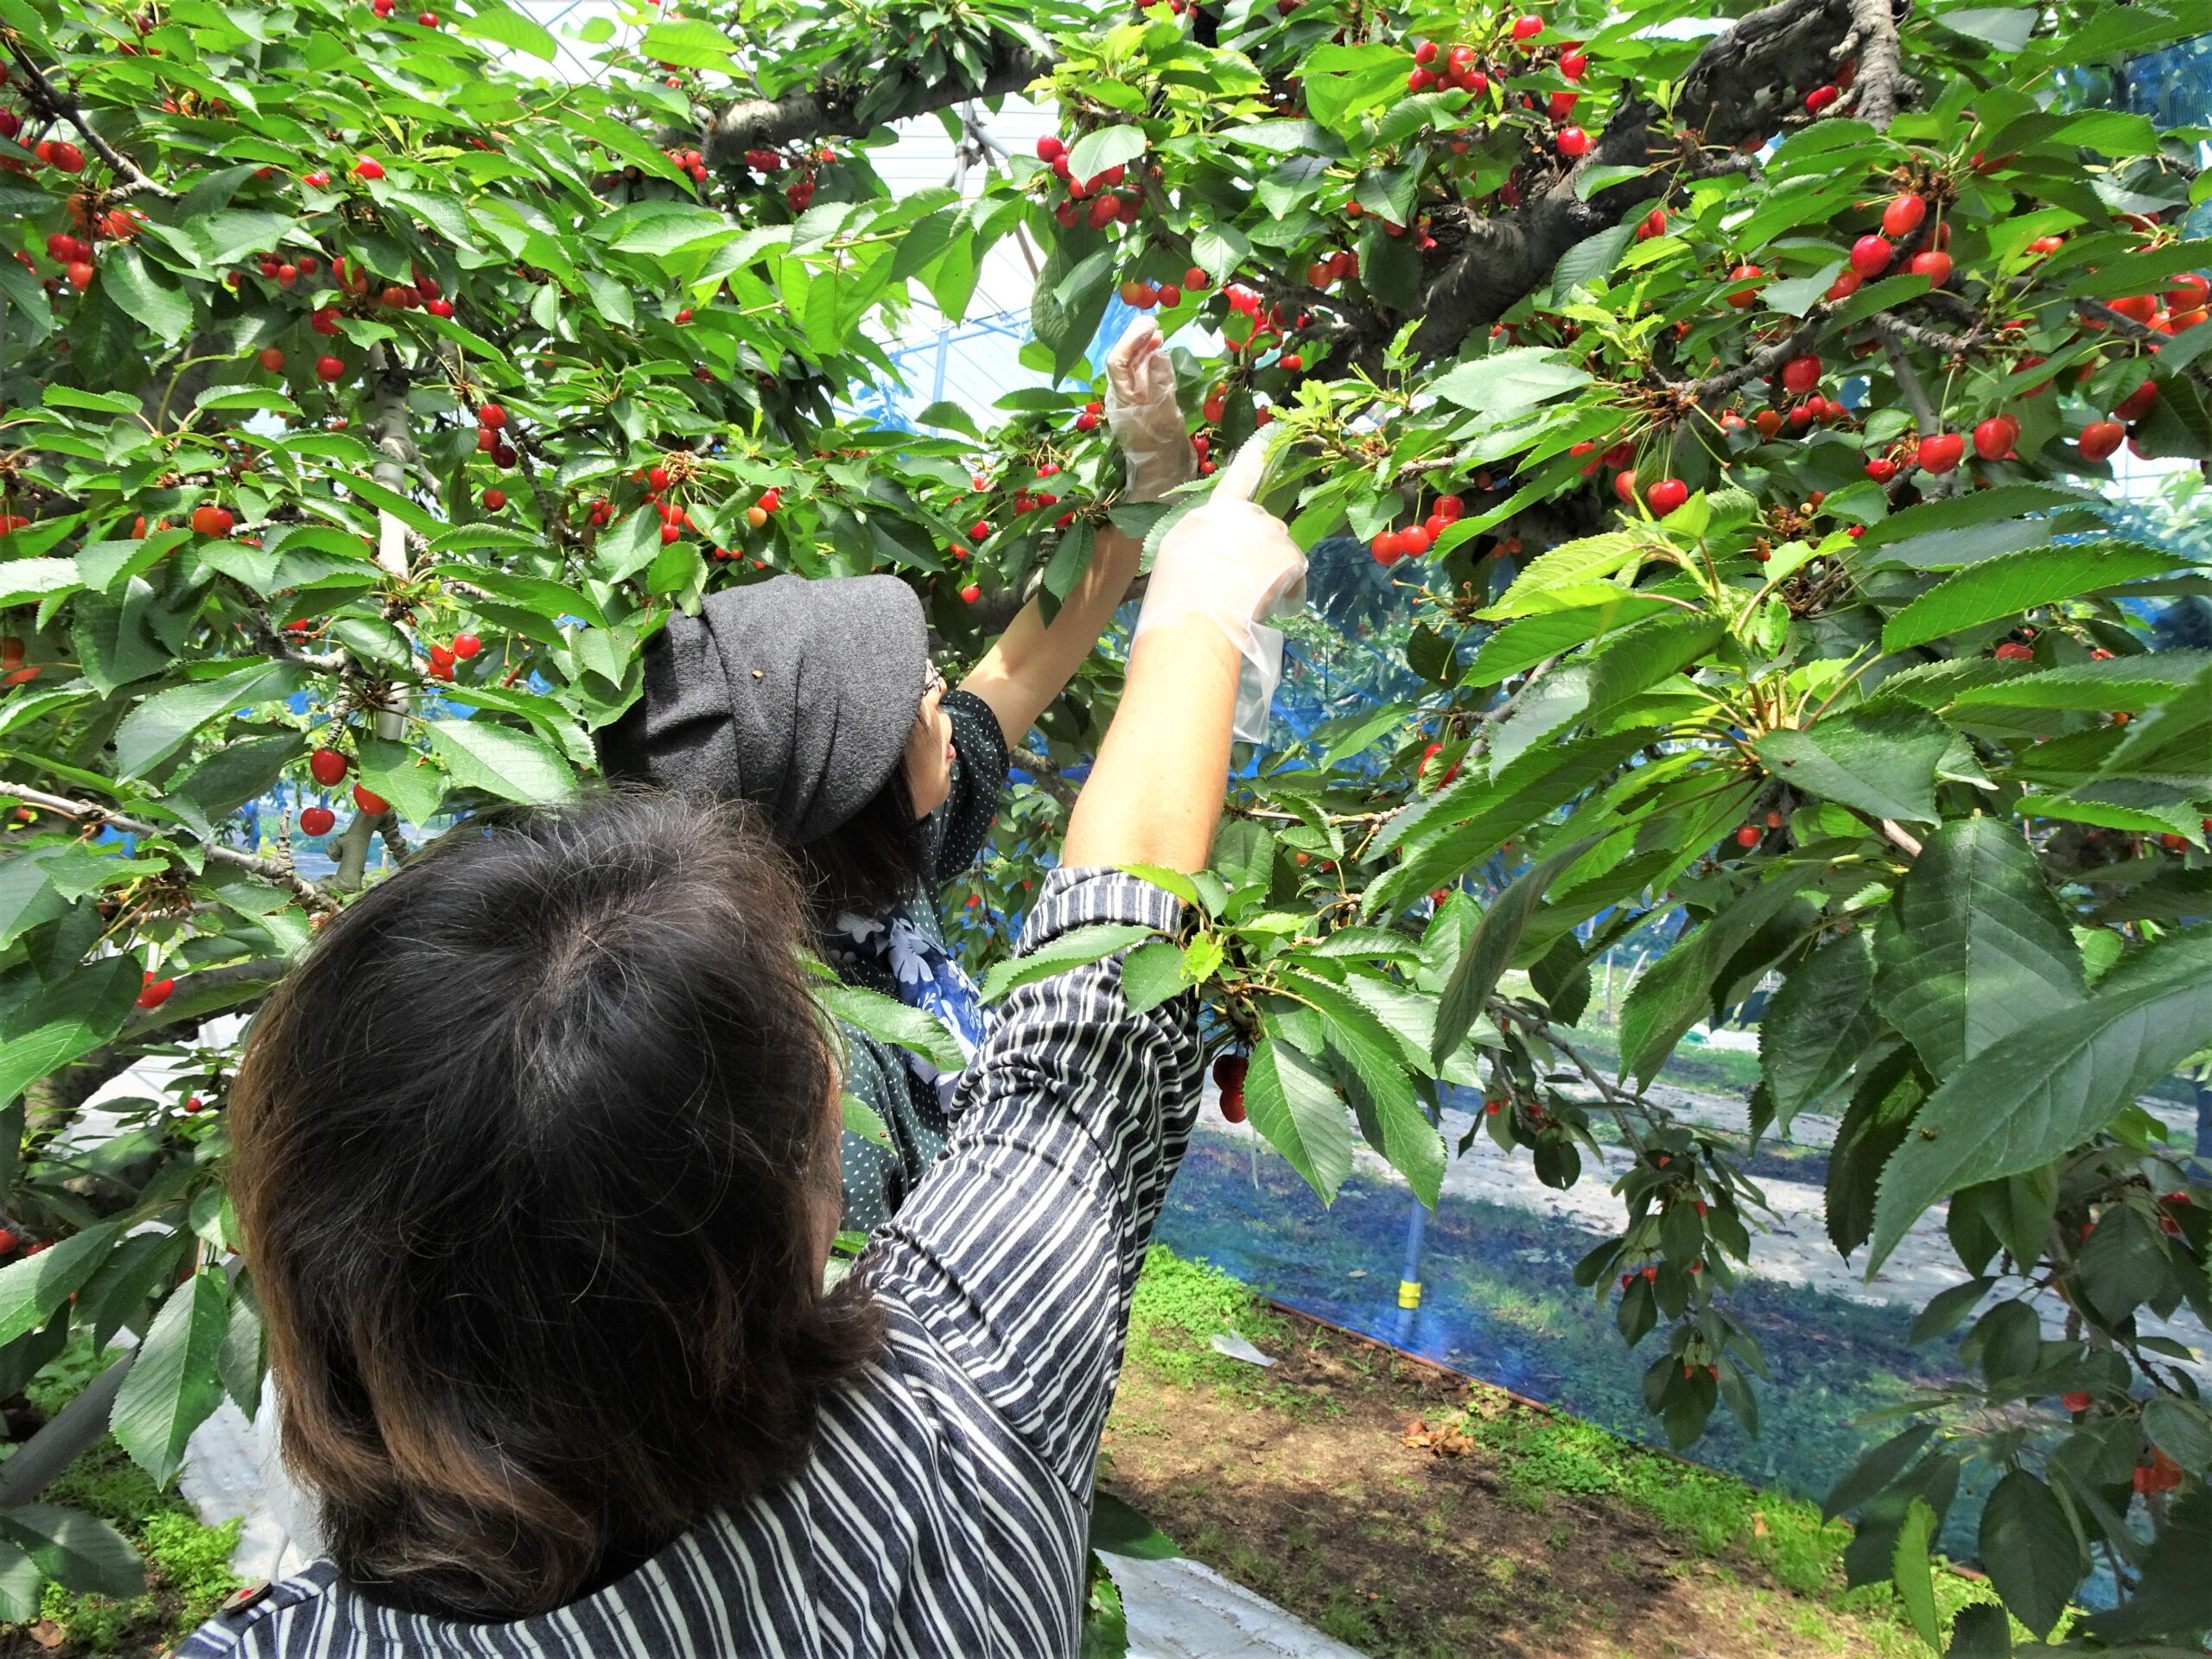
(1301, 1483)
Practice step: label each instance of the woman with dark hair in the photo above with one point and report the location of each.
(817, 702)
(536, 1169)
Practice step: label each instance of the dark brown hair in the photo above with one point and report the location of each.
(530, 1150)
(870, 863)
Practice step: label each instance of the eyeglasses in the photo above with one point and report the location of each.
(934, 682)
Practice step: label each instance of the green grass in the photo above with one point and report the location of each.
(188, 1563)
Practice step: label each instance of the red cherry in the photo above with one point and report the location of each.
(971, 593)
(1739, 274)
(1232, 1105)
(1881, 469)
(1666, 495)
(1820, 98)
(1993, 438)
(2137, 403)
(2101, 438)
(155, 992)
(368, 167)
(1903, 215)
(1802, 374)
(1229, 1072)
(329, 368)
(1195, 280)
(1624, 487)
(328, 767)
(317, 821)
(492, 417)
(1449, 507)
(494, 500)
(1572, 141)
(466, 645)
(1413, 542)
(1572, 63)
(1940, 452)
(1527, 27)
(1870, 255)
(1424, 55)
(2078, 1400)
(1934, 265)
(369, 802)
(1049, 148)
(1749, 836)
(271, 358)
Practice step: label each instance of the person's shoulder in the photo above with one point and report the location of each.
(254, 1619)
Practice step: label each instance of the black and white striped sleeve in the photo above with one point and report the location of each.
(1019, 1250)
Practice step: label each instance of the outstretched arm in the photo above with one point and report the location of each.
(1033, 661)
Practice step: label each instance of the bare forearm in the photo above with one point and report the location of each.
(1033, 660)
(1154, 796)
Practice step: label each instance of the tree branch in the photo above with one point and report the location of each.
(272, 640)
(1764, 362)
(2120, 323)
(52, 101)
(1881, 87)
(94, 816)
(1924, 418)
(832, 110)
(1737, 89)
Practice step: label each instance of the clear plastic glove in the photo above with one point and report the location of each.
(1143, 416)
(1233, 563)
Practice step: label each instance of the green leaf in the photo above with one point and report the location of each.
(1483, 960)
(687, 43)
(1519, 646)
(22, 580)
(28, 897)
(1678, 990)
(2174, 1592)
(1492, 810)
(175, 1384)
(1151, 973)
(1069, 950)
(2052, 1083)
(861, 1118)
(1973, 947)
(1569, 564)
(1105, 147)
(2130, 683)
(1118, 1530)
(391, 769)
(1591, 258)
(1910, 1568)
(2030, 1551)
(889, 1020)
(1509, 383)
(1817, 1026)
(2014, 582)
(33, 1287)
(152, 299)
(2180, 1428)
(79, 1551)
(161, 725)
(1980, 1631)
(64, 1021)
(1296, 1108)
(1881, 760)
(516, 765)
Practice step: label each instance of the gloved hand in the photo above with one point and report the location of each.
(1233, 563)
(1143, 416)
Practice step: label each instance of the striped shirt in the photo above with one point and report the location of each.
(944, 1506)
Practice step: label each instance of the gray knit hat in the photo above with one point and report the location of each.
(795, 694)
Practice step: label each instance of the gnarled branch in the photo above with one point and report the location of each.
(832, 110)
